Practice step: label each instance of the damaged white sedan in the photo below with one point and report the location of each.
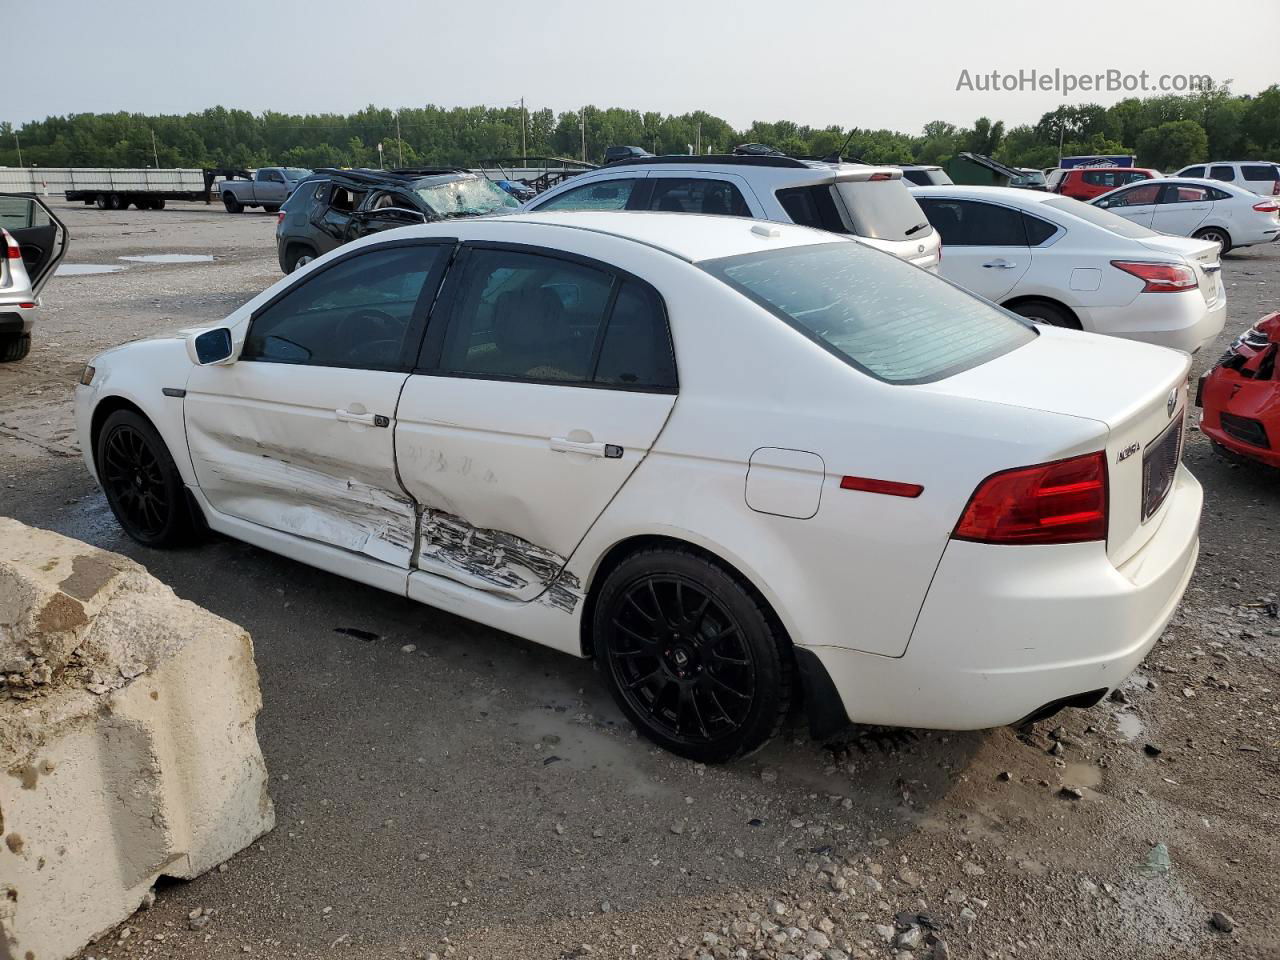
(742, 465)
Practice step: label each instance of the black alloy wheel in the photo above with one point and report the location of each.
(141, 481)
(690, 655)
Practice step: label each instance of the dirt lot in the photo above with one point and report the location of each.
(475, 796)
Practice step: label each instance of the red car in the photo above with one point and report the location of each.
(1241, 396)
(1085, 183)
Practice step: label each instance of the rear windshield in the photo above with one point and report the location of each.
(883, 210)
(886, 317)
(1101, 218)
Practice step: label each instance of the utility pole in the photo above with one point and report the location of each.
(155, 154)
(524, 150)
(399, 142)
(1062, 126)
(584, 134)
(17, 144)
(698, 140)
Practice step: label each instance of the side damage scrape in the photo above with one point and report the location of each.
(497, 558)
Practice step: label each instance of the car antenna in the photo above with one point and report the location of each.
(837, 157)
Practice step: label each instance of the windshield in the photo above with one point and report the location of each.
(296, 173)
(1101, 218)
(464, 197)
(1030, 179)
(886, 317)
(883, 210)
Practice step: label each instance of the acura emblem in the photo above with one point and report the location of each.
(1172, 403)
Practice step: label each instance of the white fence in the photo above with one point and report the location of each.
(59, 179)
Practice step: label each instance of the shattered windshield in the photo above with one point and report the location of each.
(469, 197)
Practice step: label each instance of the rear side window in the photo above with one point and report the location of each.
(1192, 172)
(1259, 172)
(526, 316)
(920, 177)
(812, 206)
(608, 195)
(1181, 193)
(883, 210)
(1222, 173)
(878, 313)
(697, 195)
(1038, 231)
(971, 223)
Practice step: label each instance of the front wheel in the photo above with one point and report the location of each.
(141, 481)
(691, 655)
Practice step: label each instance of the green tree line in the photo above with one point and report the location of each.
(1165, 132)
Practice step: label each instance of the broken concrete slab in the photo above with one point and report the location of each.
(127, 741)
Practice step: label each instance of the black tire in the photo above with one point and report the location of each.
(14, 346)
(117, 202)
(157, 203)
(1050, 314)
(232, 204)
(691, 655)
(101, 201)
(271, 208)
(299, 256)
(1217, 235)
(141, 481)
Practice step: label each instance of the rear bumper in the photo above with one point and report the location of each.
(14, 319)
(1182, 321)
(1005, 631)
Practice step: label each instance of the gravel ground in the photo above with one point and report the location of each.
(446, 790)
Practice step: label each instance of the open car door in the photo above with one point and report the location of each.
(42, 238)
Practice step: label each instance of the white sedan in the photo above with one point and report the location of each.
(1220, 213)
(1066, 263)
(740, 464)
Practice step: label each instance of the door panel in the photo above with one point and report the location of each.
(985, 243)
(1137, 203)
(1181, 209)
(512, 475)
(42, 237)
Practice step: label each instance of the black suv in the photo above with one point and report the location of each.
(333, 207)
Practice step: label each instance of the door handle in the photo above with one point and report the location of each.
(368, 419)
(1000, 264)
(609, 451)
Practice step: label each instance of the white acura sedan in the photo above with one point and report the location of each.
(740, 464)
(1066, 263)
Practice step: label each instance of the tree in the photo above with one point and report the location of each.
(1172, 145)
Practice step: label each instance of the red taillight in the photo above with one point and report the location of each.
(279, 218)
(12, 250)
(1267, 206)
(1159, 277)
(1060, 502)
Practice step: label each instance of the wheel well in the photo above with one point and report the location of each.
(1056, 304)
(625, 548)
(294, 245)
(106, 408)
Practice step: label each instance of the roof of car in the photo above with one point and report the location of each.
(690, 237)
(364, 175)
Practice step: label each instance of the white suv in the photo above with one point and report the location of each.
(32, 244)
(1259, 176)
(867, 202)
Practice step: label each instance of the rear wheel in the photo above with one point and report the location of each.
(14, 346)
(1050, 314)
(231, 203)
(299, 257)
(691, 655)
(157, 203)
(116, 202)
(141, 481)
(101, 201)
(271, 207)
(1215, 235)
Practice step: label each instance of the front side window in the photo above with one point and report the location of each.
(529, 317)
(356, 313)
(1137, 197)
(271, 176)
(878, 313)
(698, 195)
(605, 195)
(971, 223)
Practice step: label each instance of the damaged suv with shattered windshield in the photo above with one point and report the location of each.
(334, 207)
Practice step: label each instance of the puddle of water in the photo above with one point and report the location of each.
(81, 269)
(170, 258)
(1082, 775)
(1129, 725)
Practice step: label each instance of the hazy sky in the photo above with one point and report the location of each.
(856, 62)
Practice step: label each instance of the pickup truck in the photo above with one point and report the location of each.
(268, 188)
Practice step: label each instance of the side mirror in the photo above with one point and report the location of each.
(211, 347)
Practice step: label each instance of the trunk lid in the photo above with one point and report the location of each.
(1204, 255)
(1137, 391)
